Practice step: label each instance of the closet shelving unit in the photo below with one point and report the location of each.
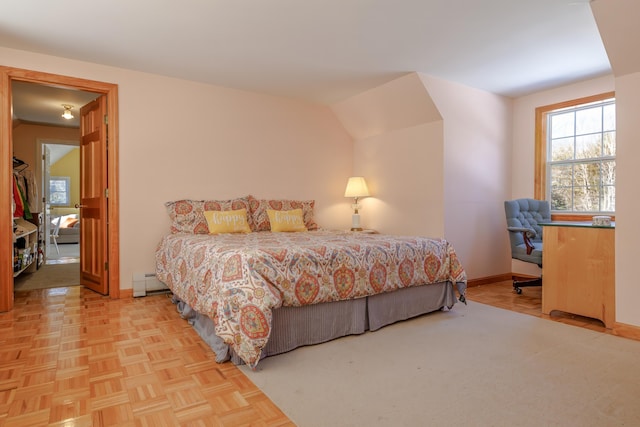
(27, 236)
(25, 247)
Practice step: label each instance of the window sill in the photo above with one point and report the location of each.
(578, 217)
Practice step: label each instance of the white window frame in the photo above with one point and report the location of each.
(575, 162)
(542, 148)
(66, 191)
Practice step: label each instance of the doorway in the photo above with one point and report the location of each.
(60, 172)
(57, 184)
(8, 75)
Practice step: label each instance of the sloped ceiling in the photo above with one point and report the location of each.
(401, 103)
(618, 22)
(321, 50)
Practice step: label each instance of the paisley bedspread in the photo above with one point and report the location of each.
(237, 279)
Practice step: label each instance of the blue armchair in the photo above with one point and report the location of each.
(525, 235)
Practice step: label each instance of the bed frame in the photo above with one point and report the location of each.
(294, 327)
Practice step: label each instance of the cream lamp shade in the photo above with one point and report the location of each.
(356, 188)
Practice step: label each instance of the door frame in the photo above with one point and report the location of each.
(7, 75)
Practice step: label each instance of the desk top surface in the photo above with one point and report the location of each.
(587, 224)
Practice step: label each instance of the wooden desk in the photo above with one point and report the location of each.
(578, 270)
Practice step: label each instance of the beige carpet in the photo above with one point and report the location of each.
(49, 276)
(473, 366)
(65, 250)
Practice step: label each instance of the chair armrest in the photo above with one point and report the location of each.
(527, 234)
(530, 232)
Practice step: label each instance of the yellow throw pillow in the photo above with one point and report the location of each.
(286, 220)
(227, 221)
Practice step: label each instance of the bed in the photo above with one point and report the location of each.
(257, 294)
(69, 231)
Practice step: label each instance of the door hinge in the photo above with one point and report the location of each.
(106, 266)
(106, 119)
(106, 193)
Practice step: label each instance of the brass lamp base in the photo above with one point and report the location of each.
(356, 229)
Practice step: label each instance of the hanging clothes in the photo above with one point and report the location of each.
(23, 194)
(32, 188)
(19, 212)
(25, 190)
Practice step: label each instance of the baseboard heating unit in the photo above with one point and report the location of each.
(147, 283)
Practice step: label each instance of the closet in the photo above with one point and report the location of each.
(27, 225)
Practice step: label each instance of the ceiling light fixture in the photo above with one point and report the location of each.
(67, 112)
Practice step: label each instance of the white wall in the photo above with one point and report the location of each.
(405, 170)
(627, 199)
(477, 174)
(618, 25)
(438, 157)
(181, 139)
(398, 149)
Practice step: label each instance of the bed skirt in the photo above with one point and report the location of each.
(294, 327)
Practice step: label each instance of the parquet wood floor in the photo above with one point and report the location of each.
(501, 294)
(70, 357)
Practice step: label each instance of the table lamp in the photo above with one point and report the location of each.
(356, 188)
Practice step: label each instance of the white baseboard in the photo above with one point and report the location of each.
(145, 283)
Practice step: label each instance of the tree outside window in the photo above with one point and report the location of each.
(59, 191)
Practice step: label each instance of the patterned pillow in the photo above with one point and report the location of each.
(187, 216)
(260, 219)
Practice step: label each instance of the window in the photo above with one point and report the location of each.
(576, 156)
(59, 191)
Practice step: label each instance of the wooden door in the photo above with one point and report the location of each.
(94, 265)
